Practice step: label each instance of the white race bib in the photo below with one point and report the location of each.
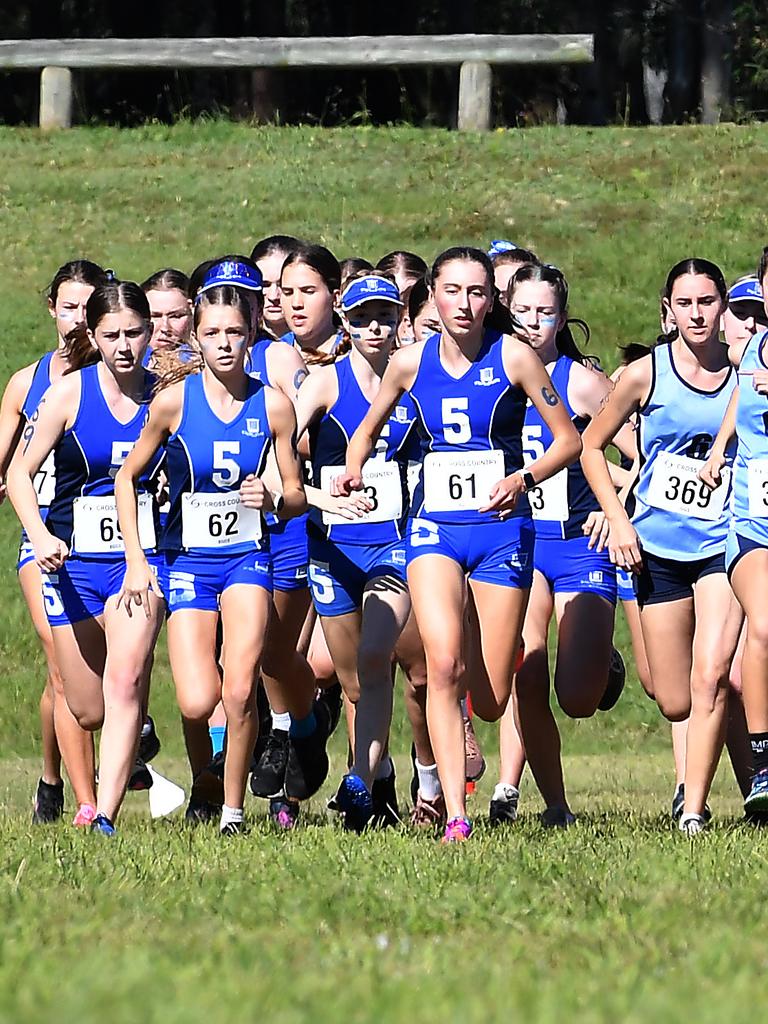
(461, 481)
(96, 529)
(381, 485)
(675, 487)
(757, 484)
(549, 499)
(45, 482)
(217, 521)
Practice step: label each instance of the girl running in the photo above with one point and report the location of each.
(357, 569)
(68, 293)
(171, 311)
(217, 427)
(90, 420)
(309, 288)
(507, 258)
(269, 255)
(676, 539)
(747, 544)
(470, 524)
(571, 580)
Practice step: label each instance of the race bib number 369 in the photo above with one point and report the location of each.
(217, 521)
(675, 487)
(460, 481)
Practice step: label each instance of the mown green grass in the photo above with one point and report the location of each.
(616, 920)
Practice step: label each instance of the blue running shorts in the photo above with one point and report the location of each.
(339, 573)
(82, 587)
(288, 545)
(500, 551)
(569, 567)
(197, 581)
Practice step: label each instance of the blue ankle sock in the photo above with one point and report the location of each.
(217, 732)
(303, 727)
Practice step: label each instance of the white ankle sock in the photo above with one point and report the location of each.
(231, 815)
(504, 791)
(429, 781)
(281, 721)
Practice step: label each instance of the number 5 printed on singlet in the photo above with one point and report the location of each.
(456, 426)
(226, 471)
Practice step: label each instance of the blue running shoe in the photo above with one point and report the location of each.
(102, 824)
(355, 802)
(757, 798)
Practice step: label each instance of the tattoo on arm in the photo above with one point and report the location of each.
(299, 378)
(550, 397)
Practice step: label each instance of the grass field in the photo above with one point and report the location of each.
(618, 919)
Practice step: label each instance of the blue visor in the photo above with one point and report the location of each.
(746, 291)
(369, 289)
(240, 275)
(500, 245)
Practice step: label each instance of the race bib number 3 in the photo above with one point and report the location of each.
(381, 485)
(97, 531)
(217, 521)
(757, 484)
(675, 487)
(461, 481)
(549, 499)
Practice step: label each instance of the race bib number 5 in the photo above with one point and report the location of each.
(217, 521)
(382, 486)
(461, 481)
(97, 531)
(675, 487)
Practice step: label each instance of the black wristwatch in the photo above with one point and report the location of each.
(529, 482)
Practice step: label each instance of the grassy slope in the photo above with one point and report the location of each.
(614, 921)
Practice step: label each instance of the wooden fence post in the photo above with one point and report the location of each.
(474, 96)
(55, 98)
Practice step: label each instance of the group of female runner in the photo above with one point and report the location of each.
(316, 472)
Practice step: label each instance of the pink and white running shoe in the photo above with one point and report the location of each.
(85, 815)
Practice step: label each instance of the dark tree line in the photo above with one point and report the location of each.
(656, 61)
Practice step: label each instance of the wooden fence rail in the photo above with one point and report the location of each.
(474, 53)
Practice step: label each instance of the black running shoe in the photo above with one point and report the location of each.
(140, 777)
(149, 744)
(333, 699)
(216, 767)
(307, 767)
(233, 828)
(617, 674)
(386, 813)
(201, 812)
(268, 775)
(678, 802)
(49, 803)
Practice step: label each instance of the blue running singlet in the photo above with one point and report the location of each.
(750, 464)
(83, 512)
(676, 515)
(207, 460)
(471, 433)
(384, 474)
(560, 505)
(45, 478)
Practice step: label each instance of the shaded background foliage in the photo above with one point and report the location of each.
(665, 40)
